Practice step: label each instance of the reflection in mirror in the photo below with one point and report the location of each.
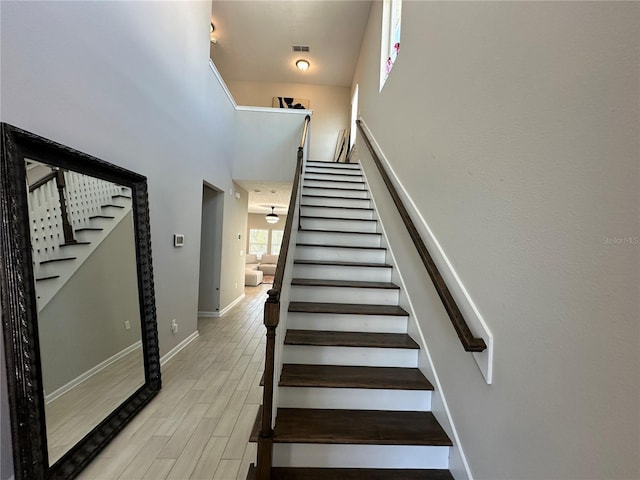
(84, 264)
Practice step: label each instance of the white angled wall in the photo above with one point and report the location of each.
(514, 128)
(330, 105)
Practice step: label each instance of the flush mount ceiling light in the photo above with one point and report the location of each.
(303, 64)
(272, 217)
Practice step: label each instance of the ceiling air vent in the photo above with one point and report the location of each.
(300, 48)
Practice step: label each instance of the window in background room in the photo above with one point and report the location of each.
(258, 240)
(276, 241)
(390, 45)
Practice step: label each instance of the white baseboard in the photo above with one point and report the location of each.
(175, 350)
(453, 281)
(90, 373)
(208, 314)
(229, 307)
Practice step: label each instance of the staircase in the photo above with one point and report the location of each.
(352, 403)
(92, 208)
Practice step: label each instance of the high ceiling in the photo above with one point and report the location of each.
(255, 39)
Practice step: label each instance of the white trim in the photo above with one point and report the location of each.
(222, 84)
(229, 307)
(208, 314)
(175, 350)
(90, 373)
(295, 111)
(457, 288)
(423, 344)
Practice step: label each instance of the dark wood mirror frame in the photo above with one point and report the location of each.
(19, 313)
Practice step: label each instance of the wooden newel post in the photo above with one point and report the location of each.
(265, 439)
(67, 230)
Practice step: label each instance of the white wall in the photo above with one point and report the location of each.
(266, 144)
(233, 244)
(129, 82)
(514, 128)
(330, 107)
(83, 324)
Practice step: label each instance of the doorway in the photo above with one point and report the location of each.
(210, 251)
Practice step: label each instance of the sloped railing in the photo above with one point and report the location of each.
(469, 342)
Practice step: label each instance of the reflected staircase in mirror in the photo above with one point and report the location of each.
(352, 403)
(90, 206)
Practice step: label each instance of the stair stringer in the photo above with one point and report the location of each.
(458, 464)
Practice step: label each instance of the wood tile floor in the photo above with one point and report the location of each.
(198, 426)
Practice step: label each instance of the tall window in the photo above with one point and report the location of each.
(390, 45)
(258, 240)
(276, 241)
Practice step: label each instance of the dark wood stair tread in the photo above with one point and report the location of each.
(340, 218)
(50, 277)
(74, 243)
(107, 217)
(333, 180)
(339, 376)
(362, 427)
(112, 206)
(55, 260)
(285, 473)
(347, 308)
(341, 207)
(342, 264)
(335, 188)
(353, 172)
(121, 196)
(318, 338)
(312, 282)
(361, 247)
(89, 229)
(321, 164)
(317, 230)
(329, 196)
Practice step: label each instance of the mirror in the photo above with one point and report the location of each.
(78, 305)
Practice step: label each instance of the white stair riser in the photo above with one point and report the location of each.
(367, 296)
(338, 224)
(101, 222)
(330, 184)
(354, 356)
(333, 165)
(332, 177)
(328, 201)
(62, 268)
(318, 169)
(87, 235)
(354, 398)
(331, 272)
(338, 254)
(335, 192)
(347, 322)
(343, 213)
(333, 238)
(359, 456)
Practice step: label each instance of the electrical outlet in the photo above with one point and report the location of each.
(174, 326)
(127, 325)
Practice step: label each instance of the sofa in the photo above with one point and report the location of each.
(252, 275)
(268, 264)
